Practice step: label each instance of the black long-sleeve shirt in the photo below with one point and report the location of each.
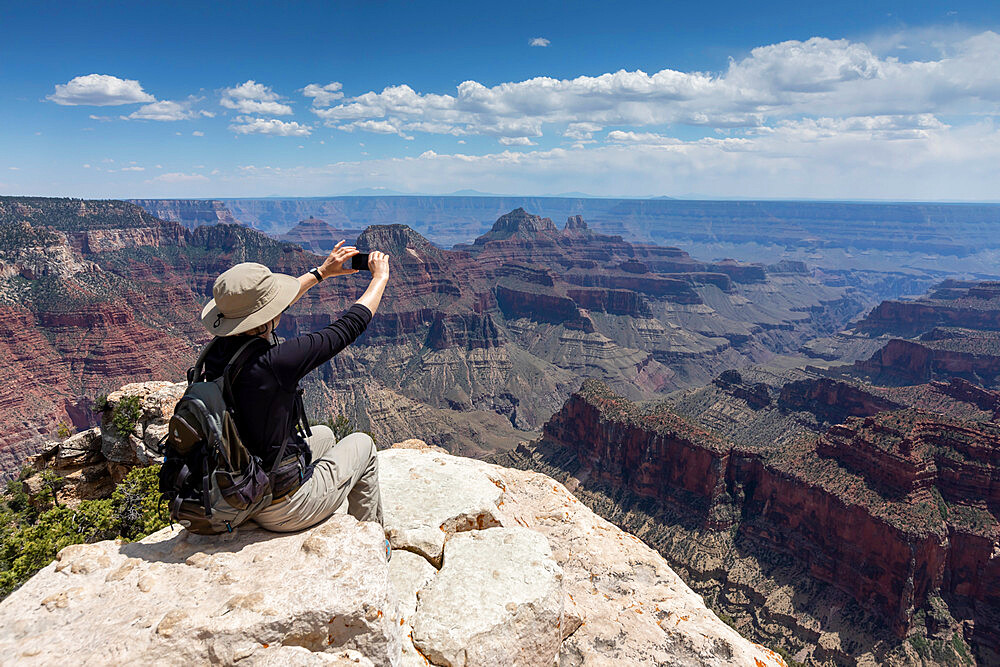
(266, 389)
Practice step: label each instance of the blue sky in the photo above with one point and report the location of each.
(848, 100)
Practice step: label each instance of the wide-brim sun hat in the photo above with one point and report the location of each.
(247, 296)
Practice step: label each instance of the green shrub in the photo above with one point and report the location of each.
(101, 403)
(51, 483)
(30, 539)
(17, 501)
(126, 414)
(961, 649)
(135, 504)
(920, 645)
(63, 431)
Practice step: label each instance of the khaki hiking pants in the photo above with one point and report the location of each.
(344, 470)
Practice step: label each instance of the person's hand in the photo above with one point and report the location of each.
(333, 265)
(378, 264)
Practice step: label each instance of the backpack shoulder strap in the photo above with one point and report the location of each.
(196, 372)
(233, 368)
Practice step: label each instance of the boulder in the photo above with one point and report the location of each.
(417, 443)
(179, 598)
(621, 602)
(427, 495)
(156, 400)
(78, 449)
(93, 461)
(514, 618)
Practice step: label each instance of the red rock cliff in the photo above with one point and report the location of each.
(892, 508)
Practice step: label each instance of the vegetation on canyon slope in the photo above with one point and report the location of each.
(34, 525)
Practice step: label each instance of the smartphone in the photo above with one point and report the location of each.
(360, 262)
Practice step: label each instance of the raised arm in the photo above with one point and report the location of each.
(378, 263)
(332, 266)
(294, 358)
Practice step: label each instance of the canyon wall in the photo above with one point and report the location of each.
(484, 342)
(191, 213)
(894, 509)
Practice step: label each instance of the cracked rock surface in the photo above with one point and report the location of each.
(620, 602)
(514, 619)
(427, 495)
(490, 566)
(178, 598)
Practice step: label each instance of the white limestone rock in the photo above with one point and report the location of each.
(634, 608)
(179, 598)
(297, 656)
(513, 616)
(409, 574)
(427, 495)
(260, 598)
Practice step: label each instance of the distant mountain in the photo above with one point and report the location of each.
(317, 236)
(365, 192)
(471, 193)
(833, 235)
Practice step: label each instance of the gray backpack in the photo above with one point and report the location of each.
(211, 482)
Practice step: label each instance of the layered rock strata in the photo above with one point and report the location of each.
(974, 357)
(953, 303)
(476, 347)
(191, 213)
(317, 236)
(885, 508)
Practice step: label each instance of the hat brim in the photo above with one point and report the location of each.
(220, 325)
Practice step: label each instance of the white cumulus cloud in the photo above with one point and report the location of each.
(516, 141)
(775, 82)
(248, 125)
(167, 110)
(376, 126)
(324, 96)
(99, 90)
(948, 163)
(582, 132)
(540, 41)
(251, 97)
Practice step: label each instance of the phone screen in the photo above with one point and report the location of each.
(360, 262)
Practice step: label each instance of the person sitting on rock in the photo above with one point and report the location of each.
(317, 473)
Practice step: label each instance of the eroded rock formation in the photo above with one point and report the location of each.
(191, 213)
(473, 348)
(317, 236)
(895, 509)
